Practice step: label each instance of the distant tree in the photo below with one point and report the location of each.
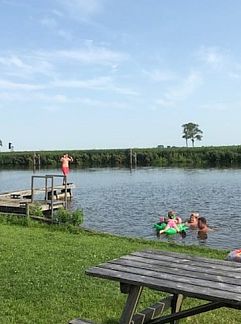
(1, 143)
(185, 134)
(191, 131)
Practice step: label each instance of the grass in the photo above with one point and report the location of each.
(42, 275)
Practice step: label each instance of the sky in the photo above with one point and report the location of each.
(99, 74)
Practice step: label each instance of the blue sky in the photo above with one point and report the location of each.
(86, 74)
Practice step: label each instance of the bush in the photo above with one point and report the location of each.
(35, 210)
(64, 216)
(13, 219)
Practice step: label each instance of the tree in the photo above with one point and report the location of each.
(185, 135)
(191, 131)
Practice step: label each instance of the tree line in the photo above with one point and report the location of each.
(212, 156)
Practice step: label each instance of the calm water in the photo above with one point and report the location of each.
(123, 202)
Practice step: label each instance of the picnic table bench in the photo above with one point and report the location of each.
(216, 281)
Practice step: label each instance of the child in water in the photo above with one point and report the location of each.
(172, 222)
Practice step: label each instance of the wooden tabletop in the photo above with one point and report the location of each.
(198, 277)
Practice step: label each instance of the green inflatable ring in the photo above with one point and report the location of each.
(170, 231)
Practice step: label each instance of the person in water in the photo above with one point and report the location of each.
(172, 222)
(202, 225)
(203, 228)
(193, 220)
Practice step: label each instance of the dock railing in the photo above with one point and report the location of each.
(46, 178)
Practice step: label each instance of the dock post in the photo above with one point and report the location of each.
(34, 162)
(46, 188)
(39, 161)
(135, 159)
(52, 197)
(65, 191)
(130, 158)
(32, 188)
(27, 210)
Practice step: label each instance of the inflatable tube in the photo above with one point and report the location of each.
(234, 256)
(170, 231)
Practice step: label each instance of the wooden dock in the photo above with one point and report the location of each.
(47, 198)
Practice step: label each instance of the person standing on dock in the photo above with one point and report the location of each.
(65, 159)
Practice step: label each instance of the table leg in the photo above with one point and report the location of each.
(134, 293)
(176, 305)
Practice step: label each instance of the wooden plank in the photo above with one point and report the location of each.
(131, 303)
(166, 285)
(15, 196)
(176, 306)
(24, 192)
(177, 278)
(152, 312)
(186, 313)
(192, 271)
(231, 268)
(197, 271)
(80, 321)
(154, 254)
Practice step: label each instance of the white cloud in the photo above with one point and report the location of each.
(101, 83)
(182, 91)
(87, 84)
(13, 60)
(187, 87)
(65, 34)
(90, 55)
(58, 101)
(235, 71)
(164, 102)
(216, 107)
(213, 56)
(81, 9)
(160, 76)
(57, 13)
(53, 25)
(24, 65)
(8, 85)
(49, 22)
(223, 106)
(220, 60)
(49, 63)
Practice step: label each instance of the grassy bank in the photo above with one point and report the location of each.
(42, 275)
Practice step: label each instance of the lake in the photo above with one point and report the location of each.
(128, 203)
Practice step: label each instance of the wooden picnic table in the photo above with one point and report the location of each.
(182, 275)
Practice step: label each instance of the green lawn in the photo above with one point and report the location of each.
(42, 276)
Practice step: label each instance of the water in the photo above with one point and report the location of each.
(129, 203)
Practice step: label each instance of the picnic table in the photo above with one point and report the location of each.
(216, 281)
